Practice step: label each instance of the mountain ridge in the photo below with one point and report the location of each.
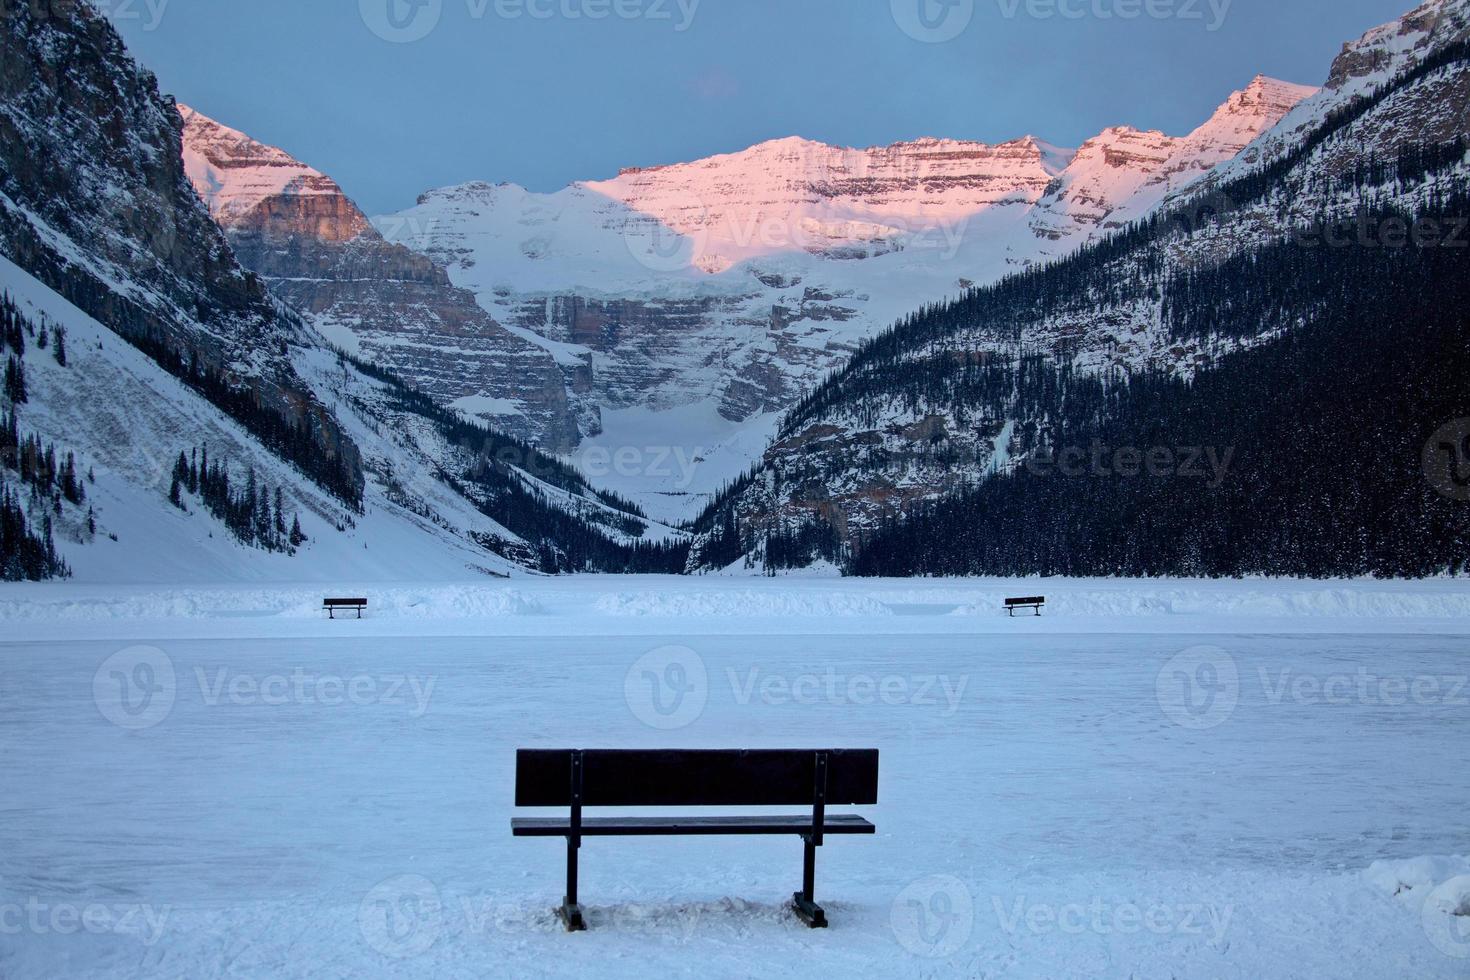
(724, 288)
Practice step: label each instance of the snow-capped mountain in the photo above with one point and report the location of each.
(903, 426)
(315, 249)
(707, 297)
(135, 345)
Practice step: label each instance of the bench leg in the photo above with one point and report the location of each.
(570, 912)
(804, 901)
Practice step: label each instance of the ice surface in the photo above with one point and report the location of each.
(1154, 779)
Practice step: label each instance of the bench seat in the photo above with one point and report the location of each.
(670, 779)
(688, 826)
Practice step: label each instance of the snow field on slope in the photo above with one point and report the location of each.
(127, 420)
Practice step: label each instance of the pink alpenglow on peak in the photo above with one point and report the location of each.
(247, 184)
(1124, 173)
(796, 195)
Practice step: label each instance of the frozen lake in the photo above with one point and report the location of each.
(1052, 803)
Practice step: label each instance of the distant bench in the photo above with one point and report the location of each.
(1026, 602)
(333, 605)
(673, 778)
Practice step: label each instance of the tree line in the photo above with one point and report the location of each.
(47, 477)
(1329, 427)
(254, 514)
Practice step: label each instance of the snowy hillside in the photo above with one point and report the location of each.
(178, 355)
(128, 420)
(1370, 61)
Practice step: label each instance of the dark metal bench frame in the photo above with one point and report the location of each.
(1026, 602)
(823, 777)
(332, 605)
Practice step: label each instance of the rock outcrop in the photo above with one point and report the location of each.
(294, 227)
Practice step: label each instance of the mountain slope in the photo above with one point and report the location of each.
(173, 351)
(1308, 450)
(95, 204)
(961, 392)
(297, 230)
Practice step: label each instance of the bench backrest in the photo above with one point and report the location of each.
(699, 777)
(1039, 600)
(344, 602)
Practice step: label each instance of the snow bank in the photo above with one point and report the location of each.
(743, 602)
(1438, 890)
(1354, 601)
(601, 605)
(464, 602)
(1418, 876)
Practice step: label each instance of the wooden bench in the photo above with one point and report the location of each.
(1026, 602)
(332, 605)
(576, 778)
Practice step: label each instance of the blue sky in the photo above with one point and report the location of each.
(543, 92)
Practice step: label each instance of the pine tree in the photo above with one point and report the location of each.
(59, 351)
(15, 380)
(280, 518)
(71, 487)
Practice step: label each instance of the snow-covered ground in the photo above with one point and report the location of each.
(1252, 779)
(598, 605)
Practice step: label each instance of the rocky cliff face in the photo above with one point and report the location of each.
(725, 288)
(95, 204)
(315, 249)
